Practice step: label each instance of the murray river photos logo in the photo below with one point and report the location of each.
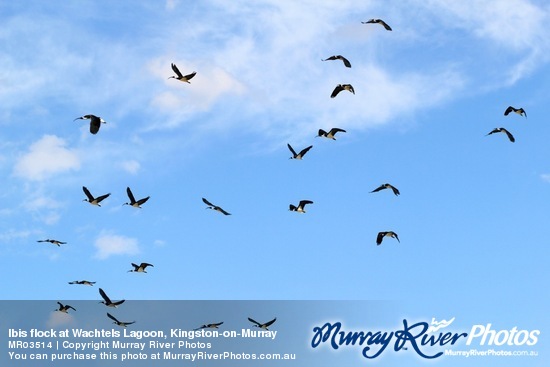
(426, 339)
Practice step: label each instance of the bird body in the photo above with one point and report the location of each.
(519, 111)
(381, 236)
(91, 199)
(119, 323)
(387, 186)
(378, 21)
(55, 242)
(503, 130)
(107, 301)
(341, 87)
(330, 134)
(64, 308)
(300, 207)
(83, 282)
(139, 268)
(262, 326)
(95, 122)
(214, 207)
(340, 57)
(298, 155)
(180, 76)
(133, 202)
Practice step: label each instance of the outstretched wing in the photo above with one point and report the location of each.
(130, 195)
(207, 202)
(305, 150)
(88, 194)
(100, 198)
(176, 70)
(112, 318)
(254, 322)
(104, 296)
(291, 150)
(336, 90)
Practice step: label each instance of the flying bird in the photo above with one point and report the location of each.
(133, 202)
(95, 122)
(340, 57)
(378, 21)
(214, 207)
(387, 186)
(83, 282)
(330, 134)
(107, 301)
(503, 130)
(140, 268)
(300, 207)
(92, 200)
(180, 76)
(299, 155)
(209, 326)
(55, 242)
(381, 236)
(341, 87)
(262, 326)
(519, 111)
(64, 308)
(119, 323)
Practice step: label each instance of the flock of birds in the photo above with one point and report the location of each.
(96, 122)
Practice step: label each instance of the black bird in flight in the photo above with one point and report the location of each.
(64, 308)
(299, 155)
(387, 186)
(107, 301)
(340, 57)
(55, 242)
(381, 236)
(95, 122)
(119, 323)
(300, 207)
(214, 207)
(330, 134)
(140, 268)
(93, 200)
(519, 111)
(209, 326)
(262, 326)
(133, 202)
(503, 130)
(180, 76)
(83, 282)
(341, 87)
(378, 21)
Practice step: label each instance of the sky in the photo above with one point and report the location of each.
(472, 217)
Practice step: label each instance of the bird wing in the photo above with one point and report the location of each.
(270, 322)
(330, 58)
(525, 113)
(345, 61)
(88, 194)
(291, 150)
(510, 136)
(335, 130)
(395, 191)
(100, 198)
(336, 90)
(190, 76)
(321, 132)
(130, 195)
(254, 321)
(292, 208)
(207, 202)
(67, 306)
(95, 124)
(388, 28)
(508, 110)
(305, 150)
(112, 318)
(144, 265)
(222, 211)
(176, 70)
(119, 302)
(136, 266)
(379, 188)
(218, 324)
(304, 202)
(104, 296)
(142, 201)
(396, 237)
(380, 237)
(350, 88)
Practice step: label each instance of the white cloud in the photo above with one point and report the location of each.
(58, 319)
(545, 177)
(109, 244)
(131, 166)
(46, 157)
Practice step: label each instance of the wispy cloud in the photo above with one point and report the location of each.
(131, 166)
(108, 244)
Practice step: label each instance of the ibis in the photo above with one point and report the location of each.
(95, 122)
(107, 301)
(341, 87)
(82, 282)
(519, 111)
(262, 326)
(119, 323)
(64, 308)
(55, 242)
(209, 326)
(340, 57)
(378, 21)
(330, 134)
(93, 200)
(133, 202)
(180, 76)
(140, 268)
(503, 130)
(298, 155)
(387, 186)
(300, 207)
(381, 236)
(214, 207)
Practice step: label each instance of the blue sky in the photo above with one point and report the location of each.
(472, 216)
